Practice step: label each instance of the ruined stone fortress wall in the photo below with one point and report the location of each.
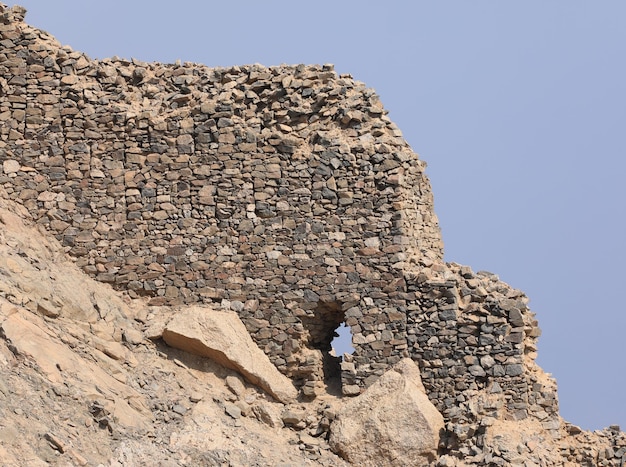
(285, 194)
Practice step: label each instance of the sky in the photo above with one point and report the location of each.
(519, 109)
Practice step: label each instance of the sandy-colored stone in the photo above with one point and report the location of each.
(10, 166)
(32, 338)
(221, 336)
(392, 423)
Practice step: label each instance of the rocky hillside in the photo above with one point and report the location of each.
(179, 245)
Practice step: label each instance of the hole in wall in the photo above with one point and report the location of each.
(322, 325)
(342, 343)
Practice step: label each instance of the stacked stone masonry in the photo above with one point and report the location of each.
(284, 194)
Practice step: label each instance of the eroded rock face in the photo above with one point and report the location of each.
(221, 336)
(31, 338)
(392, 423)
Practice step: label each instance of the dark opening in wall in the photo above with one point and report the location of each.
(322, 326)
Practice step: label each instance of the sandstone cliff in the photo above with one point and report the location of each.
(180, 243)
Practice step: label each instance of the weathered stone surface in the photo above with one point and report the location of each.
(10, 166)
(32, 338)
(71, 396)
(221, 336)
(236, 386)
(268, 414)
(391, 423)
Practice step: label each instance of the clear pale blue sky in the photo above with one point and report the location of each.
(519, 108)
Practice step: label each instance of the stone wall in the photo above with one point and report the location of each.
(285, 194)
(476, 341)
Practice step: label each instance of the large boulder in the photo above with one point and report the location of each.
(222, 337)
(391, 423)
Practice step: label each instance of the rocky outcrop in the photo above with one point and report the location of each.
(391, 424)
(221, 336)
(31, 338)
(283, 194)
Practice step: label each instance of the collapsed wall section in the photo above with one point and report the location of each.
(476, 341)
